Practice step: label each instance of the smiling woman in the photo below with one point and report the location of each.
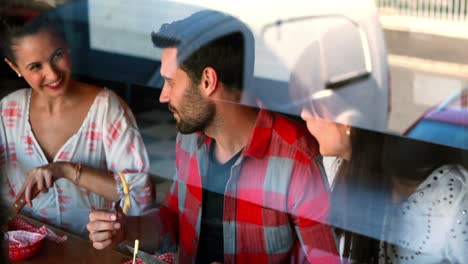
(43, 60)
(66, 139)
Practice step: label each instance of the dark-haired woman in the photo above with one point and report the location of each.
(394, 200)
(72, 141)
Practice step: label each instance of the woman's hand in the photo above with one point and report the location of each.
(42, 178)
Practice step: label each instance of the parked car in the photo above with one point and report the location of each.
(446, 124)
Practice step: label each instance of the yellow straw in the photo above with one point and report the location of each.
(135, 250)
(126, 191)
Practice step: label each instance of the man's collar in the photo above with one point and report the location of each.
(259, 142)
(260, 139)
(203, 138)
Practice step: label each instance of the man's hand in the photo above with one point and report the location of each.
(106, 228)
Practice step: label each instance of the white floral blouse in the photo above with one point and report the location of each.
(108, 139)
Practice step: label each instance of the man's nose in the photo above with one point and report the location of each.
(164, 97)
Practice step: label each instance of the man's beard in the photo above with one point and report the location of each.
(196, 113)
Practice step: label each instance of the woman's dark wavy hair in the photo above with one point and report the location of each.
(361, 198)
(358, 199)
(21, 20)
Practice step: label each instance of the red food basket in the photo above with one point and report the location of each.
(28, 245)
(25, 240)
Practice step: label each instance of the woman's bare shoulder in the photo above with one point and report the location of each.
(89, 90)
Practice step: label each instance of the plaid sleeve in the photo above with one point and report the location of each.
(169, 236)
(170, 217)
(170, 211)
(163, 222)
(308, 204)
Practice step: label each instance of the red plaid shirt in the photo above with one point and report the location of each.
(275, 201)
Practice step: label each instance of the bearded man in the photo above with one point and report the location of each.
(248, 188)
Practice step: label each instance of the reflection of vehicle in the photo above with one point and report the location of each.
(342, 42)
(338, 46)
(446, 124)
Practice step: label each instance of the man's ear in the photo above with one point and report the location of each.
(209, 81)
(12, 66)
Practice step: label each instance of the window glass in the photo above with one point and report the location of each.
(267, 132)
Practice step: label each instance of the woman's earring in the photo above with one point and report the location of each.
(348, 132)
(19, 75)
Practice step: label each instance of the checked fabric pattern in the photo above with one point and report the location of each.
(275, 201)
(32, 233)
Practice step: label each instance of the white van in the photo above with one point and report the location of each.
(336, 46)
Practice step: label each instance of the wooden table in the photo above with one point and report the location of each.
(74, 250)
